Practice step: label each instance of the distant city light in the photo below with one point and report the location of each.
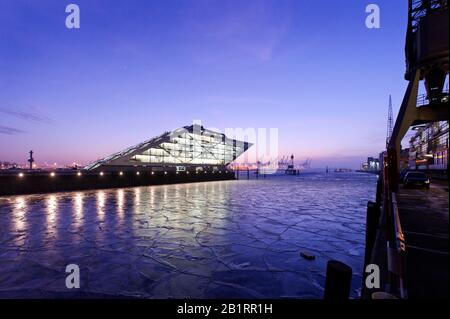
(79, 173)
(20, 174)
(153, 173)
(120, 173)
(137, 173)
(165, 173)
(52, 174)
(101, 173)
(187, 172)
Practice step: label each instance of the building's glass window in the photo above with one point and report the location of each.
(192, 148)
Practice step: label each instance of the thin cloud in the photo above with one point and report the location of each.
(10, 130)
(255, 30)
(27, 116)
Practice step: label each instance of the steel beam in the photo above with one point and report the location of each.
(432, 113)
(406, 116)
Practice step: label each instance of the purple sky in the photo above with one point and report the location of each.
(137, 68)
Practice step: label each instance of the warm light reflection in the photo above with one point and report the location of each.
(101, 198)
(120, 202)
(137, 197)
(78, 208)
(19, 211)
(164, 193)
(51, 211)
(152, 195)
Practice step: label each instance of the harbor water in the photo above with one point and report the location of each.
(234, 239)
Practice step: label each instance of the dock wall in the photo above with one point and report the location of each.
(15, 184)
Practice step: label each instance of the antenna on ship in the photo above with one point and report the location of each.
(390, 122)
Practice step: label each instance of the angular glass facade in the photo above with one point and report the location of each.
(191, 145)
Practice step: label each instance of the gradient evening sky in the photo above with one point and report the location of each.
(137, 68)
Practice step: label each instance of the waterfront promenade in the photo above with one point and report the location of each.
(424, 218)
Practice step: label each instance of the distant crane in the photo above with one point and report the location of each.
(390, 122)
(306, 164)
(285, 161)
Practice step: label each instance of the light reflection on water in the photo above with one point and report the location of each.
(19, 210)
(78, 209)
(216, 239)
(51, 211)
(101, 199)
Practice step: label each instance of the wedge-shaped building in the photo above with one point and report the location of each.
(190, 148)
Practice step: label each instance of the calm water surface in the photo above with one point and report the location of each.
(217, 239)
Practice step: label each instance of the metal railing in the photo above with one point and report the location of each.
(396, 248)
(422, 99)
(397, 251)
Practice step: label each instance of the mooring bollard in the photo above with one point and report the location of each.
(338, 281)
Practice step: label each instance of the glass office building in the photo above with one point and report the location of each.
(188, 148)
(429, 147)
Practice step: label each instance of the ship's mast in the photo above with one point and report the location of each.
(390, 122)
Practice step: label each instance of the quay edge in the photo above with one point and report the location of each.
(22, 183)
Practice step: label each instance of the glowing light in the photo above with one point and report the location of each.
(52, 174)
(165, 173)
(137, 173)
(79, 174)
(101, 173)
(20, 174)
(187, 172)
(153, 173)
(177, 173)
(120, 173)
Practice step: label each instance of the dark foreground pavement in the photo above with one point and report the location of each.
(424, 218)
